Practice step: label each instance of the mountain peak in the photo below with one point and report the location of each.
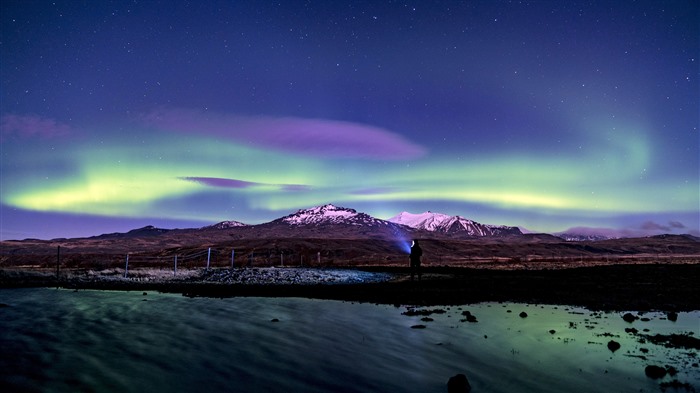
(225, 225)
(329, 214)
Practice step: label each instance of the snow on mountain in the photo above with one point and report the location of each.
(594, 234)
(577, 237)
(225, 225)
(330, 214)
(438, 222)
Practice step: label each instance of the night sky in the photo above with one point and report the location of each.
(546, 115)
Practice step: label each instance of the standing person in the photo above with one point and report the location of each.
(416, 253)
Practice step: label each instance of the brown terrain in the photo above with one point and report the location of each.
(658, 272)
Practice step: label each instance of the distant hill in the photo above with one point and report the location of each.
(225, 225)
(147, 231)
(576, 237)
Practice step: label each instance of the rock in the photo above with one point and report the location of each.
(613, 345)
(674, 340)
(418, 327)
(629, 318)
(672, 371)
(631, 330)
(427, 319)
(413, 312)
(677, 386)
(274, 320)
(458, 384)
(655, 372)
(672, 316)
(145, 293)
(468, 317)
(523, 314)
(552, 331)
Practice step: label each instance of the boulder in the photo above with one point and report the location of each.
(613, 345)
(468, 317)
(523, 314)
(458, 384)
(629, 318)
(655, 372)
(672, 316)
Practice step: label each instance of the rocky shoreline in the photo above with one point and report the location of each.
(662, 287)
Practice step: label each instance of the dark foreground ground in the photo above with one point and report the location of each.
(672, 287)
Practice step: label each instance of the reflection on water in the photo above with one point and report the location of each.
(64, 341)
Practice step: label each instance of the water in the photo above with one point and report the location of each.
(102, 341)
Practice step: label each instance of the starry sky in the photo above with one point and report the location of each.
(547, 115)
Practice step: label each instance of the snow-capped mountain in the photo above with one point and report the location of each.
(226, 225)
(330, 214)
(437, 222)
(577, 237)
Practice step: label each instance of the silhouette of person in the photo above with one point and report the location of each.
(416, 253)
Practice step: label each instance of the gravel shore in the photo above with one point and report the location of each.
(667, 287)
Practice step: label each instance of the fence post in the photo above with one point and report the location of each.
(282, 258)
(208, 257)
(233, 254)
(126, 268)
(58, 261)
(175, 271)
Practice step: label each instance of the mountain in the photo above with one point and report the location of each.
(147, 231)
(225, 225)
(453, 225)
(578, 237)
(330, 215)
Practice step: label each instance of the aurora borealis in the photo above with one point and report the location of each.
(545, 115)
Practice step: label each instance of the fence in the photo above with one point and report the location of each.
(208, 257)
(193, 259)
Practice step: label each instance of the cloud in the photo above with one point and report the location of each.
(235, 183)
(315, 137)
(676, 224)
(31, 126)
(652, 226)
(294, 187)
(220, 182)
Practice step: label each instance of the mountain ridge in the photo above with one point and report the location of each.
(454, 225)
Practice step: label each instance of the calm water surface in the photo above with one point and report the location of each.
(102, 341)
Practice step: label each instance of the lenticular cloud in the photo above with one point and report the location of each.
(326, 138)
(220, 182)
(235, 183)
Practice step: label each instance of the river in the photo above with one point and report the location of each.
(57, 340)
